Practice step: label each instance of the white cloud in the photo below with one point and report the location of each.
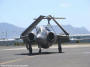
(65, 5)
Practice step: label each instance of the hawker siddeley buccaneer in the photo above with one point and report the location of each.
(44, 37)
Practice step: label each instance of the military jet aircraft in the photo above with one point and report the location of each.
(44, 37)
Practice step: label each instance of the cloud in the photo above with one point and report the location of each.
(65, 5)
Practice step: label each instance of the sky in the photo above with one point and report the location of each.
(22, 12)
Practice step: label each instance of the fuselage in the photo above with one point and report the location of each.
(44, 37)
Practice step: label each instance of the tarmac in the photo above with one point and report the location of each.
(74, 55)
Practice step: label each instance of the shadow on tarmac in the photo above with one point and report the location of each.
(35, 54)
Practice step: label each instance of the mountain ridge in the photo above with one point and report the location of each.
(12, 31)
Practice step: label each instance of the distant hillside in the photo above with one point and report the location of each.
(12, 31)
(76, 30)
(70, 29)
(9, 30)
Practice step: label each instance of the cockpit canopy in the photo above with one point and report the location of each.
(41, 29)
(47, 29)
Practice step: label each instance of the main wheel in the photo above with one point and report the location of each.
(30, 48)
(59, 46)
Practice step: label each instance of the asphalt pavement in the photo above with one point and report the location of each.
(72, 56)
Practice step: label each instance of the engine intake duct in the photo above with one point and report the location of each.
(31, 37)
(50, 36)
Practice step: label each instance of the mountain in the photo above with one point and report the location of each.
(70, 29)
(12, 31)
(76, 30)
(9, 30)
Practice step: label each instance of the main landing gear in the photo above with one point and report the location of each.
(59, 46)
(30, 49)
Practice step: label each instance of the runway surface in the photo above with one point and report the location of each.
(74, 56)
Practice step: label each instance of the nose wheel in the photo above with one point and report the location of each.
(39, 50)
